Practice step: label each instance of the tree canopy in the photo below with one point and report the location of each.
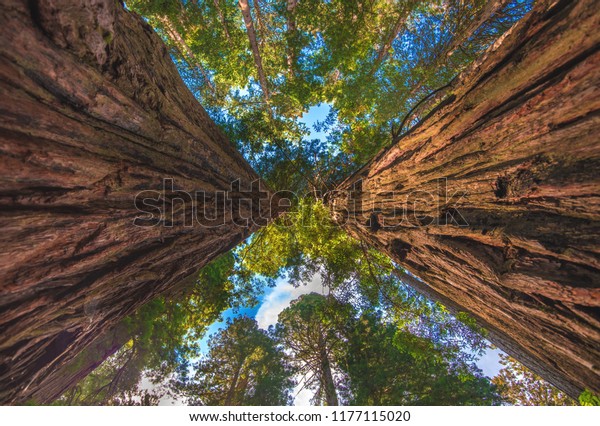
(257, 67)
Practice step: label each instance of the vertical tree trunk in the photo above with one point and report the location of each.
(93, 111)
(327, 382)
(233, 385)
(493, 200)
(262, 79)
(223, 21)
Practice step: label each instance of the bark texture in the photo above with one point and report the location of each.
(513, 235)
(93, 111)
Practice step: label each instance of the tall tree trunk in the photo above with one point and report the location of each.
(254, 47)
(291, 35)
(232, 387)
(259, 22)
(512, 235)
(327, 382)
(384, 49)
(93, 111)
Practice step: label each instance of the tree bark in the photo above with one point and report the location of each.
(254, 47)
(493, 199)
(383, 51)
(93, 111)
(291, 34)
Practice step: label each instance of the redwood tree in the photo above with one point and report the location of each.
(93, 111)
(492, 200)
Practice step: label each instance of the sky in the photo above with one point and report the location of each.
(314, 114)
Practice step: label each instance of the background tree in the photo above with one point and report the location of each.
(386, 365)
(312, 329)
(244, 366)
(517, 385)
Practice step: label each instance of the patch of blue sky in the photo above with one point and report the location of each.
(316, 114)
(270, 303)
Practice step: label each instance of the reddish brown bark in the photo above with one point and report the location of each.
(517, 140)
(92, 112)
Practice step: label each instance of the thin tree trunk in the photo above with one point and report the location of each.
(493, 200)
(233, 386)
(486, 13)
(254, 47)
(93, 112)
(291, 31)
(259, 22)
(387, 45)
(184, 50)
(223, 21)
(327, 382)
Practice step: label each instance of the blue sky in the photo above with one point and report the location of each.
(314, 114)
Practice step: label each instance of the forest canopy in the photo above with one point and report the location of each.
(259, 67)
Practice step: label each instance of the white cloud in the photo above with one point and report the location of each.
(302, 396)
(490, 362)
(281, 296)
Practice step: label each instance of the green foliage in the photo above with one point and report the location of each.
(244, 366)
(588, 398)
(313, 329)
(303, 242)
(373, 62)
(519, 386)
(389, 366)
(363, 359)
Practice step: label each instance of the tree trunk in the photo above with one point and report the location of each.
(383, 51)
(493, 200)
(291, 35)
(93, 111)
(234, 382)
(327, 382)
(223, 21)
(245, 8)
(491, 8)
(184, 50)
